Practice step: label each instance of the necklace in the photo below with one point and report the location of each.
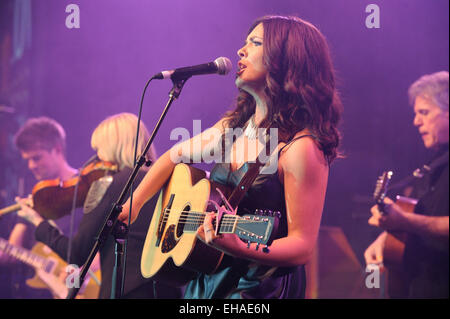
(251, 131)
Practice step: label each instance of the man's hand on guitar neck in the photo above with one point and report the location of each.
(392, 217)
(395, 218)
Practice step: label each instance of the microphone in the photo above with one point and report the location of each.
(221, 66)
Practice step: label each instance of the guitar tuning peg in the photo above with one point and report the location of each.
(257, 246)
(248, 244)
(266, 249)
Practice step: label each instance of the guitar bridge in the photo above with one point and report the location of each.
(163, 220)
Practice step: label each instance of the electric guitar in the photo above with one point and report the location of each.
(172, 253)
(50, 270)
(394, 247)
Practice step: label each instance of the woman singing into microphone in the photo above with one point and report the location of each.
(286, 82)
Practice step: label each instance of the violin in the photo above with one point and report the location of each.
(54, 198)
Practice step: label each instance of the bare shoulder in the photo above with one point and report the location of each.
(220, 124)
(302, 155)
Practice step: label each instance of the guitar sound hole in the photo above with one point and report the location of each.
(185, 221)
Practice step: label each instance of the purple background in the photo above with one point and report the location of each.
(80, 76)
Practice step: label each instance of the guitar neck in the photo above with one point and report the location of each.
(193, 220)
(22, 254)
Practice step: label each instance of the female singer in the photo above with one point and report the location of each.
(286, 82)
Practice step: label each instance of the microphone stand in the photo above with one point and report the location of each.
(120, 233)
(120, 230)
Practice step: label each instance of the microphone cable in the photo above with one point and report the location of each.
(125, 245)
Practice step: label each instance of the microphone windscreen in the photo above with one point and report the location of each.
(223, 65)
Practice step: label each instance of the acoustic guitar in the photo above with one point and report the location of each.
(394, 247)
(172, 253)
(50, 270)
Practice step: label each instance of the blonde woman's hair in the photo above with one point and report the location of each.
(114, 138)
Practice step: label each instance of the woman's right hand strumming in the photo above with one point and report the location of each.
(153, 181)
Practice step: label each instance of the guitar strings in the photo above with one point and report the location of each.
(225, 221)
(188, 215)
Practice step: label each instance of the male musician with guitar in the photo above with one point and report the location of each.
(42, 144)
(425, 251)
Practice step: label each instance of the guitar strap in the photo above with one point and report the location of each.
(420, 172)
(247, 180)
(245, 183)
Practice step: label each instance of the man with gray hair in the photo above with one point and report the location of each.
(425, 261)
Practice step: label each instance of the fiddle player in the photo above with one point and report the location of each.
(41, 142)
(426, 256)
(114, 141)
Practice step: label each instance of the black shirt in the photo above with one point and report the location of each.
(427, 260)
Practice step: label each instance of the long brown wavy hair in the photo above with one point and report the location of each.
(300, 84)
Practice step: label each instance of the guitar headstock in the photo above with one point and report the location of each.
(259, 228)
(381, 187)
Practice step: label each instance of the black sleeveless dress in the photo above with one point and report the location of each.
(244, 279)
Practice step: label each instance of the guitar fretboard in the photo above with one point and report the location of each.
(23, 255)
(193, 220)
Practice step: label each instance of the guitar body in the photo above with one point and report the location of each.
(393, 254)
(50, 271)
(57, 270)
(172, 253)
